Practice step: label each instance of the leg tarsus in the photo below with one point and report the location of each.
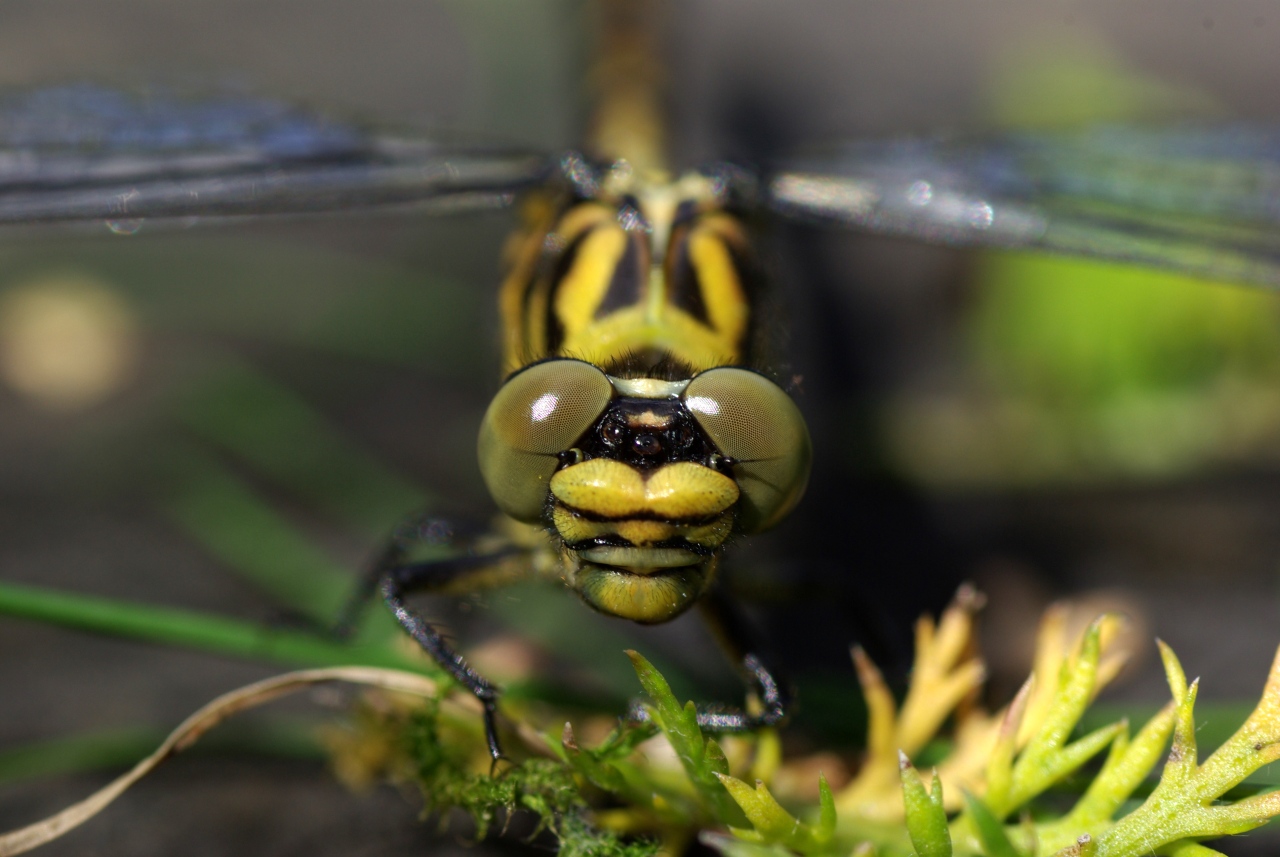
(392, 575)
(773, 700)
(491, 734)
(395, 582)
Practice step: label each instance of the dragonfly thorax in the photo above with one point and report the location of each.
(633, 265)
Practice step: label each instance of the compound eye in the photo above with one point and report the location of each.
(539, 413)
(753, 422)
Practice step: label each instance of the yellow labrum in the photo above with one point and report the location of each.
(610, 489)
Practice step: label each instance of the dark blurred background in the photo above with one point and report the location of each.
(1045, 428)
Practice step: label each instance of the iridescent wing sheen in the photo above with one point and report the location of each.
(93, 154)
(1200, 200)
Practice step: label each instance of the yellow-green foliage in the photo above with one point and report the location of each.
(667, 783)
(1083, 334)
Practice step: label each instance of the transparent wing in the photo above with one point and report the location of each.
(86, 153)
(1205, 201)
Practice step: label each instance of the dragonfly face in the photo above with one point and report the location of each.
(631, 435)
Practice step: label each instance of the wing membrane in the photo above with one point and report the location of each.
(1204, 201)
(94, 154)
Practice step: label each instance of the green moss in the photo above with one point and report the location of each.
(443, 771)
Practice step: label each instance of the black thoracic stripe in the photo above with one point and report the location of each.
(683, 284)
(750, 274)
(752, 280)
(627, 284)
(596, 518)
(554, 275)
(686, 212)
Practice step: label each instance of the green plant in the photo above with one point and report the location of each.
(983, 795)
(1017, 782)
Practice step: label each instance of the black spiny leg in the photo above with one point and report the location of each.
(395, 584)
(730, 629)
(394, 578)
(732, 632)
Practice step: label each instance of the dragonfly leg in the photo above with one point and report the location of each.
(395, 584)
(394, 577)
(431, 530)
(771, 698)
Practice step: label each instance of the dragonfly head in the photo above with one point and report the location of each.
(643, 480)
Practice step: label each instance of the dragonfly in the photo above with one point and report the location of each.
(638, 430)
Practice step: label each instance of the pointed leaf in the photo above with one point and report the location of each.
(991, 832)
(827, 810)
(680, 725)
(715, 758)
(1000, 760)
(926, 819)
(1129, 763)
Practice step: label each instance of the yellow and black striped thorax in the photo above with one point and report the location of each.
(635, 268)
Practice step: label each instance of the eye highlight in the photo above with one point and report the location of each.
(538, 414)
(754, 423)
